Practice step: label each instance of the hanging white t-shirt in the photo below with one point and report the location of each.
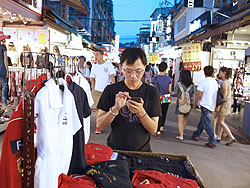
(83, 83)
(209, 87)
(57, 121)
(101, 73)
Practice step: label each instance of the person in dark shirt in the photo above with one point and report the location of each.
(170, 72)
(4, 71)
(132, 120)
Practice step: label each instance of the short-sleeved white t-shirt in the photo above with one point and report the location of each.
(101, 73)
(57, 121)
(209, 87)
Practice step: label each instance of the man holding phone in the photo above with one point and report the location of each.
(130, 106)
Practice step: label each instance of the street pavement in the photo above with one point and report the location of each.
(222, 167)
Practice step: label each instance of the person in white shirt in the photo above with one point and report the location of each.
(207, 95)
(102, 74)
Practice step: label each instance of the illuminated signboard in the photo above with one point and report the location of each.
(191, 56)
(196, 24)
(193, 3)
(200, 22)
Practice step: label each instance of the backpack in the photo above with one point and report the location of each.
(184, 101)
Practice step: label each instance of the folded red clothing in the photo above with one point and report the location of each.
(97, 153)
(75, 181)
(155, 179)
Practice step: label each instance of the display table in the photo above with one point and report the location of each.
(246, 119)
(184, 159)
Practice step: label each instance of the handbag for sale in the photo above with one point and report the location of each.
(164, 98)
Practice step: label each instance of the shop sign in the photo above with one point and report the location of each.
(191, 56)
(192, 66)
(153, 57)
(196, 24)
(34, 5)
(193, 3)
(200, 22)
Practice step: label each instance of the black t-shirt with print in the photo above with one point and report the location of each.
(127, 132)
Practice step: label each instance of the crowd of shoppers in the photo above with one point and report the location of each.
(134, 97)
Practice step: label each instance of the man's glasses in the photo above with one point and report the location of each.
(137, 72)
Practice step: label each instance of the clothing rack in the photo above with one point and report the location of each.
(66, 64)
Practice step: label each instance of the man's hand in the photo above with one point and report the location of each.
(136, 107)
(120, 101)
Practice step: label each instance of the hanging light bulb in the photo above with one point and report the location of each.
(25, 21)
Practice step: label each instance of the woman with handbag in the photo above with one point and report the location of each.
(164, 85)
(225, 73)
(186, 83)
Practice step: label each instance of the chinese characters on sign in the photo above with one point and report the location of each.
(153, 57)
(191, 57)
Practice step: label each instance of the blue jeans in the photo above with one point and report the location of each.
(4, 85)
(205, 123)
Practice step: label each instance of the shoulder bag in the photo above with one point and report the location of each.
(164, 98)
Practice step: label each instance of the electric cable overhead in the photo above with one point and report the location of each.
(127, 3)
(117, 20)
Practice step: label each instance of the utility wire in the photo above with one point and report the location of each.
(127, 4)
(117, 20)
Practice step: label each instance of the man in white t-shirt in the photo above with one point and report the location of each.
(102, 73)
(207, 95)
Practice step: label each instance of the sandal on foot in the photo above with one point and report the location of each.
(179, 138)
(158, 134)
(230, 143)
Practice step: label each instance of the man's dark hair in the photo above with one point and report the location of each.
(163, 66)
(130, 55)
(83, 57)
(208, 70)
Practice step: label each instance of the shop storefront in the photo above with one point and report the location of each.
(22, 21)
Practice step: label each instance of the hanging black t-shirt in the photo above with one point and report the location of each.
(78, 161)
(127, 132)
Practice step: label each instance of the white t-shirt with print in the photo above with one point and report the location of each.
(209, 87)
(101, 73)
(57, 121)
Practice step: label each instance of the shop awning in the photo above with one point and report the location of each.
(181, 41)
(50, 17)
(228, 25)
(19, 9)
(79, 5)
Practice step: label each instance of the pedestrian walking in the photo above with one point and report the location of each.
(170, 72)
(217, 109)
(184, 83)
(206, 96)
(148, 74)
(4, 73)
(225, 74)
(102, 74)
(164, 85)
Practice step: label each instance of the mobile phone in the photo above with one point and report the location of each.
(137, 99)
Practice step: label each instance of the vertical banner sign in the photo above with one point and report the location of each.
(191, 56)
(153, 57)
